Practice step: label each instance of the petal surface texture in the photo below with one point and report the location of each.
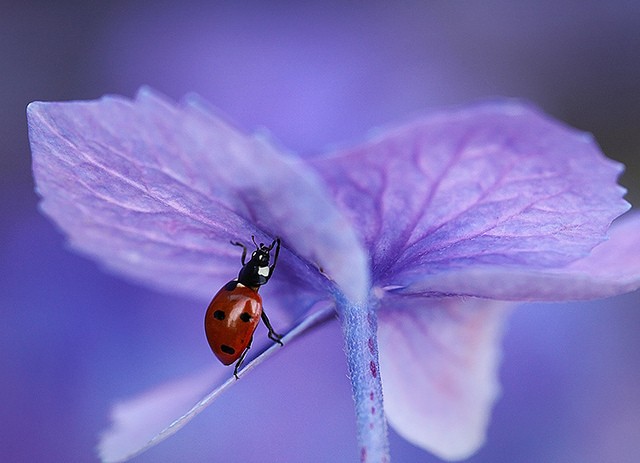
(439, 362)
(496, 184)
(156, 190)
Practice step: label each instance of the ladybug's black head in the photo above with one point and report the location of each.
(257, 270)
(260, 256)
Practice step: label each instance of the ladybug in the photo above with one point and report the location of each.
(235, 311)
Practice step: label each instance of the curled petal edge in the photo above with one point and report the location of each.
(611, 268)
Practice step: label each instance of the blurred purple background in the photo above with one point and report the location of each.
(74, 339)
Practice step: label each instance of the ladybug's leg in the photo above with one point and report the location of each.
(241, 359)
(244, 250)
(275, 257)
(275, 337)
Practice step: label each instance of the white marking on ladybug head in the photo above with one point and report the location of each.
(263, 271)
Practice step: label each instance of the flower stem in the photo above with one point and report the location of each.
(359, 324)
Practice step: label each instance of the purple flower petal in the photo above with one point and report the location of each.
(439, 361)
(496, 200)
(155, 191)
(612, 268)
(138, 420)
(495, 184)
(144, 421)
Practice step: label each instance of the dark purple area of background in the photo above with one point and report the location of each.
(73, 339)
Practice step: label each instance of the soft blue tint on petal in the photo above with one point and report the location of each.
(156, 190)
(612, 268)
(492, 184)
(144, 421)
(137, 420)
(439, 362)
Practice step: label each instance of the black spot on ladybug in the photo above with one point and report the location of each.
(227, 349)
(245, 317)
(218, 315)
(231, 285)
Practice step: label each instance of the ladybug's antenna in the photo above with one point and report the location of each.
(261, 246)
(272, 244)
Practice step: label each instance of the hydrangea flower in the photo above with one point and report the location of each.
(420, 239)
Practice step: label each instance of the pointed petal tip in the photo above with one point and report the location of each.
(35, 111)
(34, 106)
(145, 90)
(148, 93)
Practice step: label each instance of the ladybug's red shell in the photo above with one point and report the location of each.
(231, 319)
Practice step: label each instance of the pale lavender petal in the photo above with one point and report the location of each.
(612, 268)
(493, 184)
(439, 363)
(144, 421)
(136, 421)
(155, 190)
